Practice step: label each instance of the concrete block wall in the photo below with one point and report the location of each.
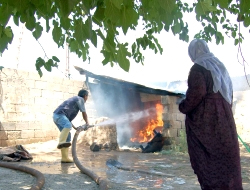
(27, 103)
(173, 119)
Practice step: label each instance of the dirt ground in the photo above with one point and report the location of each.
(67, 176)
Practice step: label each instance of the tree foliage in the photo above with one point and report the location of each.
(80, 23)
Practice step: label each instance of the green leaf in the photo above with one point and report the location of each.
(56, 33)
(107, 56)
(219, 38)
(100, 34)
(158, 45)
(129, 18)
(117, 3)
(73, 45)
(82, 30)
(5, 13)
(167, 5)
(85, 51)
(4, 40)
(30, 21)
(37, 3)
(65, 22)
(1, 30)
(168, 20)
(40, 72)
(87, 6)
(66, 6)
(247, 21)
(6, 37)
(39, 63)
(16, 19)
(48, 65)
(84, 55)
(222, 20)
(122, 57)
(47, 24)
(55, 59)
(21, 5)
(94, 38)
(236, 41)
(244, 6)
(233, 34)
(78, 31)
(38, 31)
(222, 3)
(176, 28)
(8, 32)
(204, 7)
(111, 12)
(109, 42)
(87, 26)
(99, 16)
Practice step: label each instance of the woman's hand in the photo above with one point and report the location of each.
(180, 99)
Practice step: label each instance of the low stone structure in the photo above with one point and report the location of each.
(104, 135)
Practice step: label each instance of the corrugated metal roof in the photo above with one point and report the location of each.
(126, 84)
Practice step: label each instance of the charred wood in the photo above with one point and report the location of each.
(155, 145)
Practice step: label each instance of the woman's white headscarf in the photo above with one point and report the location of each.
(200, 54)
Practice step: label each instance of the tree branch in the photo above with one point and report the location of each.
(243, 59)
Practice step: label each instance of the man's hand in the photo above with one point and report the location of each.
(85, 127)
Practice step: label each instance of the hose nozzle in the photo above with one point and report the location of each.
(85, 127)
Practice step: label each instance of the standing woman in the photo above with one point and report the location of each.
(210, 127)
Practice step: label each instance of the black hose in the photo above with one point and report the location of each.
(113, 163)
(103, 185)
(39, 176)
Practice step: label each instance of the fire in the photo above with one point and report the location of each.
(153, 121)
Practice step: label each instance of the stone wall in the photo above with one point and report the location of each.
(27, 103)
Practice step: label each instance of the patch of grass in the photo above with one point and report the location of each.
(181, 146)
(178, 146)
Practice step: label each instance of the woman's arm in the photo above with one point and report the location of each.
(195, 92)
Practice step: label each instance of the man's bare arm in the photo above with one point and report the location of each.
(85, 117)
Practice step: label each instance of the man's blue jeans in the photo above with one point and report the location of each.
(61, 122)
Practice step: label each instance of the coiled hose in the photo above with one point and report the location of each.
(39, 176)
(103, 185)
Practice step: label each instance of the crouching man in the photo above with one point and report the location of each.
(62, 117)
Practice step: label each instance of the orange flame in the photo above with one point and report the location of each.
(153, 121)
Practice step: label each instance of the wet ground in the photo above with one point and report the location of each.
(175, 167)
